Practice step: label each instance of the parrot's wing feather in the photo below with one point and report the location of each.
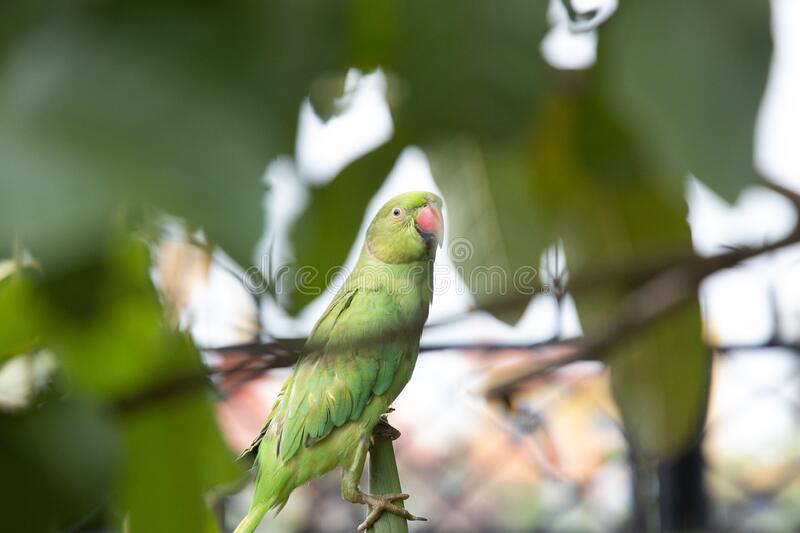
(328, 318)
(250, 452)
(334, 381)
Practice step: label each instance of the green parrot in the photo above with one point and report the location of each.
(358, 358)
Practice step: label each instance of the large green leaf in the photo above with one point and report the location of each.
(107, 326)
(497, 231)
(688, 77)
(606, 200)
(174, 457)
(599, 190)
(469, 67)
(108, 330)
(57, 460)
(661, 381)
(166, 103)
(20, 315)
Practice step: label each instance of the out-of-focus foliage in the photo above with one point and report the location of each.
(661, 382)
(103, 444)
(688, 78)
(174, 457)
(491, 193)
(462, 66)
(57, 459)
(114, 108)
(19, 315)
(176, 104)
(592, 169)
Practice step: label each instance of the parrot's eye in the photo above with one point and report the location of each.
(397, 212)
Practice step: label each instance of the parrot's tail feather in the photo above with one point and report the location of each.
(250, 522)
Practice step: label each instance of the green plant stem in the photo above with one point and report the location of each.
(384, 479)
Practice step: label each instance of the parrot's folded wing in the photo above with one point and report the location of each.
(249, 454)
(332, 384)
(340, 302)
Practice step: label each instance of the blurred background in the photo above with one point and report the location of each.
(185, 184)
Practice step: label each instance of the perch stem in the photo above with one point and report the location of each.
(384, 479)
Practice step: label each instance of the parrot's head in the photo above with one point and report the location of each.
(407, 228)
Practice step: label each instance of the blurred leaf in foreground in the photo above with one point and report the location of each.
(462, 67)
(109, 332)
(107, 327)
(174, 457)
(165, 103)
(57, 460)
(661, 381)
(20, 315)
(688, 78)
(496, 231)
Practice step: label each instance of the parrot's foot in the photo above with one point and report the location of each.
(378, 503)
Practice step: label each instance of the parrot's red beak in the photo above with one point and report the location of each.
(429, 224)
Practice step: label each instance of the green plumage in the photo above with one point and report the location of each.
(358, 358)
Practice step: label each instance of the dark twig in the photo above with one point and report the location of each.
(290, 353)
(654, 299)
(168, 389)
(668, 284)
(250, 369)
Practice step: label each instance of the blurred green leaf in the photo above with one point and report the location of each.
(107, 326)
(661, 382)
(325, 95)
(96, 116)
(174, 457)
(20, 315)
(496, 230)
(461, 67)
(323, 235)
(108, 330)
(599, 191)
(57, 460)
(688, 78)
(115, 103)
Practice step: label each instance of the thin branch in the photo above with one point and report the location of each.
(672, 283)
(192, 381)
(165, 390)
(652, 300)
(251, 369)
(770, 344)
(291, 351)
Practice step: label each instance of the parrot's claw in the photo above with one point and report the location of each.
(378, 503)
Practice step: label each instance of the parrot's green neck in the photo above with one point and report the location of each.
(413, 277)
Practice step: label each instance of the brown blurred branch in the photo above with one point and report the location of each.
(249, 369)
(159, 392)
(654, 299)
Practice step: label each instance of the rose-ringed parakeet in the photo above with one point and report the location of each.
(358, 358)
